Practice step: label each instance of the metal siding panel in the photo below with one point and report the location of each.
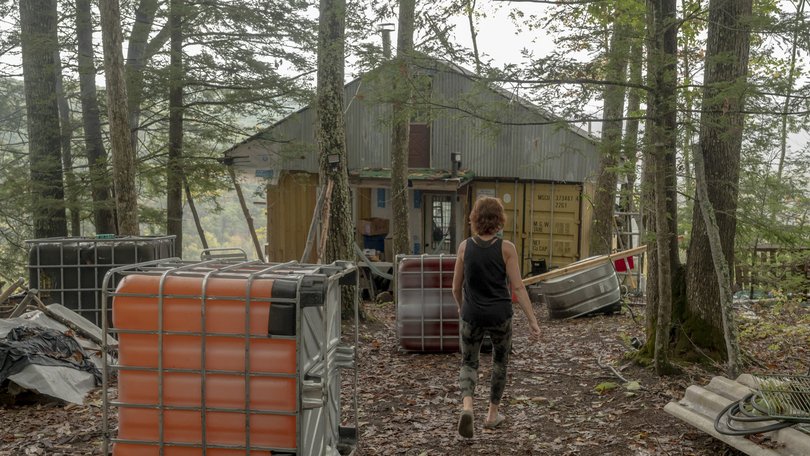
(537, 152)
(368, 129)
(541, 152)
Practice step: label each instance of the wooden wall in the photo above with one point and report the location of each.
(289, 212)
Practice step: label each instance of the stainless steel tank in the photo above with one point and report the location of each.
(583, 292)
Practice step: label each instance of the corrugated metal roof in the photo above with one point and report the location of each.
(517, 139)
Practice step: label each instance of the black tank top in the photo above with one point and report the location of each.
(487, 299)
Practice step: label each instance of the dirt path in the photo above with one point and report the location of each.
(409, 403)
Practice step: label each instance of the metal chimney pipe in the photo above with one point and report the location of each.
(386, 29)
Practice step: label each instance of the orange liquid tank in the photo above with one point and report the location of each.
(201, 367)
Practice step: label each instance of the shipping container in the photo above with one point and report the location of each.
(227, 358)
(543, 220)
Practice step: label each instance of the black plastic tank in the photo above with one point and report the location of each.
(70, 271)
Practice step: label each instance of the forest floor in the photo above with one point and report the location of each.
(558, 399)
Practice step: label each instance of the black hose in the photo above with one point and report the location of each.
(736, 411)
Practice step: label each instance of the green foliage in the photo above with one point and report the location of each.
(15, 201)
(783, 319)
(604, 387)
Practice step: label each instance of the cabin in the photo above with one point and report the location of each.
(467, 139)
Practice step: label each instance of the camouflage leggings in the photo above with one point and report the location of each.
(471, 337)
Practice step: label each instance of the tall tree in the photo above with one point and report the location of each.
(721, 127)
(174, 168)
(791, 79)
(66, 139)
(137, 55)
(601, 241)
(331, 129)
(401, 127)
(630, 143)
(123, 155)
(103, 215)
(663, 43)
(38, 37)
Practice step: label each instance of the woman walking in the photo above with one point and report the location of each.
(486, 268)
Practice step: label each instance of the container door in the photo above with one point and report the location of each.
(553, 223)
(511, 194)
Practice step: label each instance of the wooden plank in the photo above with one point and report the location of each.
(589, 263)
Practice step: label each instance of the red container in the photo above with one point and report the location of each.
(623, 264)
(427, 314)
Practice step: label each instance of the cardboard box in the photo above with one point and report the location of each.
(373, 226)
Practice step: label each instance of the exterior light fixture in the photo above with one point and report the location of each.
(334, 161)
(455, 163)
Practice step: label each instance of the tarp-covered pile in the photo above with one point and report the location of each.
(40, 354)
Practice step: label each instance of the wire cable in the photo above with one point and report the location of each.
(746, 410)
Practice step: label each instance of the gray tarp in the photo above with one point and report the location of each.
(66, 383)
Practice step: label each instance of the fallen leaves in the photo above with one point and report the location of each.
(409, 403)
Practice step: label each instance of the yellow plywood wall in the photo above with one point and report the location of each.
(543, 220)
(289, 212)
(363, 210)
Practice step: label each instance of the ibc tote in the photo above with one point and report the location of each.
(229, 358)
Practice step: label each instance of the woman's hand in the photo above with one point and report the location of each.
(535, 330)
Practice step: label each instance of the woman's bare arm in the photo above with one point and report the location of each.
(510, 257)
(458, 275)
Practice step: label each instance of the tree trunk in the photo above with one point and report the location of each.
(123, 155)
(721, 125)
(136, 60)
(331, 135)
(470, 9)
(688, 123)
(194, 214)
(103, 215)
(721, 268)
(174, 167)
(630, 144)
(647, 200)
(601, 241)
(38, 21)
(66, 136)
(400, 132)
(246, 211)
(791, 80)
(663, 138)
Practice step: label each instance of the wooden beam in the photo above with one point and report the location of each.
(325, 215)
(585, 264)
(246, 211)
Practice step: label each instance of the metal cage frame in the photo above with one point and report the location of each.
(314, 384)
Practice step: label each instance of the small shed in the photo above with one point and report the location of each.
(468, 138)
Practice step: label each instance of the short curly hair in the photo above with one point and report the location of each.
(487, 216)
